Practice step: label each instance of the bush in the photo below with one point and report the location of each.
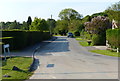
(87, 36)
(113, 37)
(98, 39)
(77, 33)
(22, 39)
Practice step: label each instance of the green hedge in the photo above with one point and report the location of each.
(113, 37)
(98, 39)
(22, 39)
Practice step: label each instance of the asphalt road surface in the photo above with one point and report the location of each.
(64, 58)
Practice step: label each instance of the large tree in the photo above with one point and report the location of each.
(115, 7)
(24, 26)
(39, 24)
(29, 21)
(98, 25)
(61, 27)
(113, 12)
(51, 24)
(69, 14)
(35, 25)
(43, 25)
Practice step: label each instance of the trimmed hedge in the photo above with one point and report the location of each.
(22, 39)
(98, 39)
(113, 37)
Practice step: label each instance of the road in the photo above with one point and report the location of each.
(64, 58)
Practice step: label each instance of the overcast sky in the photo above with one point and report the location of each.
(19, 10)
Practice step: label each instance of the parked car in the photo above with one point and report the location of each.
(70, 34)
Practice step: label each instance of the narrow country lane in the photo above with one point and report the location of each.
(64, 58)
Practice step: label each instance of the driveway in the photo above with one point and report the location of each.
(64, 58)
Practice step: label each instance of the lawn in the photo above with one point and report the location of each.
(79, 39)
(22, 63)
(106, 52)
(83, 42)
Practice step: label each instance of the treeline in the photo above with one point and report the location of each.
(37, 24)
(70, 21)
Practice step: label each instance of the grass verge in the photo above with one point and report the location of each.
(83, 42)
(106, 52)
(22, 63)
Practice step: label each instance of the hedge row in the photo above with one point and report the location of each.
(113, 37)
(22, 39)
(99, 39)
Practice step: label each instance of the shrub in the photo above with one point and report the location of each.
(113, 37)
(98, 39)
(87, 36)
(77, 33)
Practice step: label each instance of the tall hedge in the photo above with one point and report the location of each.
(22, 39)
(98, 39)
(113, 37)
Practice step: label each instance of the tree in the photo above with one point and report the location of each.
(52, 24)
(35, 25)
(76, 25)
(99, 14)
(113, 12)
(14, 25)
(43, 25)
(39, 24)
(70, 19)
(61, 27)
(98, 25)
(115, 7)
(29, 21)
(69, 14)
(3, 25)
(86, 19)
(24, 26)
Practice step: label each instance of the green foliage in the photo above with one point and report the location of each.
(113, 12)
(86, 19)
(99, 14)
(113, 37)
(39, 24)
(75, 25)
(35, 25)
(29, 21)
(61, 27)
(51, 24)
(115, 7)
(69, 14)
(98, 25)
(98, 39)
(77, 33)
(24, 26)
(106, 52)
(21, 62)
(14, 25)
(43, 25)
(22, 39)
